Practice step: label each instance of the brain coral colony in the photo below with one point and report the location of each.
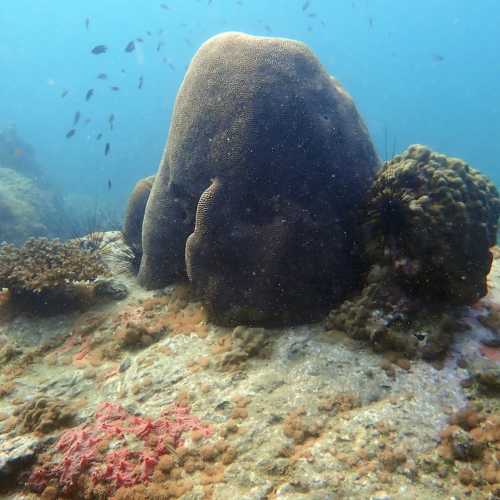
(273, 236)
(262, 218)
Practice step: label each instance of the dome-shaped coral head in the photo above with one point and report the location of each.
(292, 163)
(434, 219)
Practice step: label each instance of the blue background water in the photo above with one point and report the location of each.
(387, 53)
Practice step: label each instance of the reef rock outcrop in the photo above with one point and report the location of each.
(270, 154)
(433, 218)
(26, 209)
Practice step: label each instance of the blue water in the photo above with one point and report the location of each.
(420, 72)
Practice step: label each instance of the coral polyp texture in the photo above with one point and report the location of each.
(47, 273)
(271, 151)
(434, 219)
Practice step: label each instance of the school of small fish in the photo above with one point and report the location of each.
(131, 46)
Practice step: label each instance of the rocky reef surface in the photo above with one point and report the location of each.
(144, 398)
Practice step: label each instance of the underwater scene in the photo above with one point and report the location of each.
(248, 250)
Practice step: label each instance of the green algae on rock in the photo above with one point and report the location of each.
(434, 218)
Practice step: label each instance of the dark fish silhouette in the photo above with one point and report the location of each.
(149, 33)
(171, 66)
(64, 93)
(312, 15)
(437, 58)
(99, 49)
(106, 149)
(123, 70)
(89, 94)
(159, 46)
(111, 120)
(164, 6)
(130, 47)
(268, 28)
(99, 137)
(115, 88)
(141, 81)
(102, 76)
(139, 39)
(76, 118)
(87, 23)
(109, 184)
(305, 5)
(370, 22)
(88, 120)
(71, 133)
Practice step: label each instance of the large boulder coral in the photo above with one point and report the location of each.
(134, 217)
(284, 161)
(433, 219)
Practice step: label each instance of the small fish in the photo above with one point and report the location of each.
(139, 39)
(370, 22)
(149, 33)
(115, 88)
(188, 42)
(305, 5)
(160, 32)
(71, 133)
(76, 118)
(102, 76)
(164, 6)
(130, 47)
(159, 46)
(171, 66)
(141, 81)
(98, 137)
(64, 93)
(268, 28)
(87, 23)
(99, 49)
(87, 121)
(123, 70)
(89, 94)
(109, 184)
(437, 58)
(106, 149)
(111, 120)
(312, 15)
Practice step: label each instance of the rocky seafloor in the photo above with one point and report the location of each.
(291, 413)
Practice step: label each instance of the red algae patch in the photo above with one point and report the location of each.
(115, 452)
(492, 353)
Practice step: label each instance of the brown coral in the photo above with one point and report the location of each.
(44, 415)
(434, 218)
(47, 273)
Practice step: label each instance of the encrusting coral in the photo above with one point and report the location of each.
(433, 218)
(44, 274)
